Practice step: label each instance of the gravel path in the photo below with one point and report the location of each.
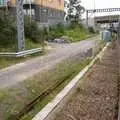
(16, 73)
(97, 95)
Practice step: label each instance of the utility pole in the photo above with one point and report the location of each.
(87, 18)
(94, 13)
(30, 11)
(20, 25)
(42, 16)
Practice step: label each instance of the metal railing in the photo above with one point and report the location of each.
(20, 54)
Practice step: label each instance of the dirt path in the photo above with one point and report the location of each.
(97, 95)
(22, 71)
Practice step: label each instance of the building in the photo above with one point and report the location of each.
(2, 3)
(45, 11)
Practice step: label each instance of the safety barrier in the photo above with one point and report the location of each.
(20, 54)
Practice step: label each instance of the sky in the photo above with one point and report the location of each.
(89, 4)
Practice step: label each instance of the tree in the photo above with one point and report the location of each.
(74, 10)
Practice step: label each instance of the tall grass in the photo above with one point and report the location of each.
(8, 35)
(15, 98)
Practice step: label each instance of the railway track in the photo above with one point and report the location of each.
(44, 94)
(48, 91)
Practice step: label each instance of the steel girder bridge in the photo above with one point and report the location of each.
(92, 11)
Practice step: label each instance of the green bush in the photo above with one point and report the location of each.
(75, 24)
(31, 30)
(76, 34)
(56, 31)
(91, 30)
(34, 33)
(7, 31)
(60, 28)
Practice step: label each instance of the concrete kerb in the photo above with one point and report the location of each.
(118, 47)
(51, 109)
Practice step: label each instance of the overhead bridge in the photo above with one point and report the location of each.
(103, 10)
(103, 19)
(107, 19)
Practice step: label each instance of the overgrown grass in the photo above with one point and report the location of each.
(12, 100)
(76, 34)
(8, 61)
(13, 48)
(34, 35)
(31, 45)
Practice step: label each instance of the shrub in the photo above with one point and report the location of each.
(60, 28)
(75, 24)
(33, 32)
(91, 30)
(56, 31)
(7, 31)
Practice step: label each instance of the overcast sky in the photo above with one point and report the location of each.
(89, 4)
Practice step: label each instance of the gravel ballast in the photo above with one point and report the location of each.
(97, 94)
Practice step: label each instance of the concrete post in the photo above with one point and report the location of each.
(20, 25)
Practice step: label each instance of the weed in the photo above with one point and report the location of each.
(15, 98)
